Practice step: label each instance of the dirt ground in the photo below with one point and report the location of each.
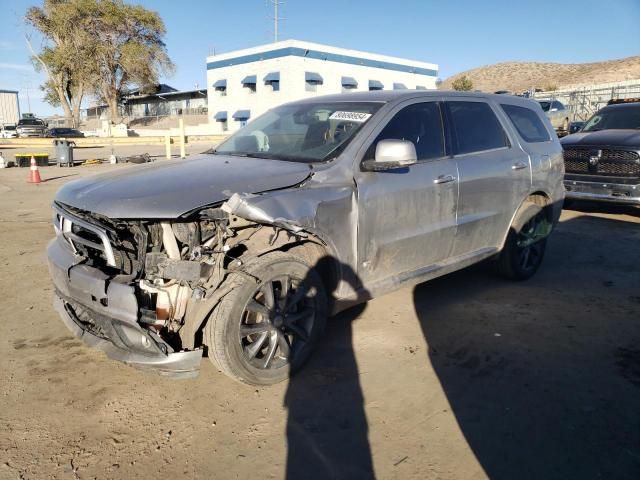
(464, 377)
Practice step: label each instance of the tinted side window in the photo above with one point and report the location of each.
(557, 105)
(527, 122)
(476, 127)
(421, 124)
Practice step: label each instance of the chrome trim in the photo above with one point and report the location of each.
(444, 179)
(601, 197)
(63, 221)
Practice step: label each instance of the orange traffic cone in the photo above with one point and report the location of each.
(34, 173)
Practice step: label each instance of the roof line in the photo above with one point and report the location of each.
(319, 55)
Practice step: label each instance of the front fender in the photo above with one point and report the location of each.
(328, 212)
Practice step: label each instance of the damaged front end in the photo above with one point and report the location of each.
(141, 290)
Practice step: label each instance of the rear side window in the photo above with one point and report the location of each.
(420, 123)
(476, 127)
(527, 122)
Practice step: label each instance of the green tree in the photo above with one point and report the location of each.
(130, 50)
(463, 83)
(66, 45)
(103, 47)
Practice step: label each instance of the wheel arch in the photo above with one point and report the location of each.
(539, 197)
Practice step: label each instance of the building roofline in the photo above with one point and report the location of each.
(9, 91)
(317, 47)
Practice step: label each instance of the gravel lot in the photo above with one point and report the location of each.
(465, 377)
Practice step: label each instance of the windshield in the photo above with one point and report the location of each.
(30, 121)
(545, 106)
(309, 132)
(627, 117)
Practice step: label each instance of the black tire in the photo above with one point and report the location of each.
(261, 341)
(523, 252)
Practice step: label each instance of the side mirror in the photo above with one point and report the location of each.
(390, 155)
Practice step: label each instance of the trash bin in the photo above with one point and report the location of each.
(64, 152)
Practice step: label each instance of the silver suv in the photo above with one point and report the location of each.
(313, 207)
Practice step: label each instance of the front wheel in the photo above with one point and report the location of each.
(526, 243)
(266, 327)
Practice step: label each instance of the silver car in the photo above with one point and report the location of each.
(557, 114)
(313, 207)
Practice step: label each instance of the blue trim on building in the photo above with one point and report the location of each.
(221, 116)
(319, 55)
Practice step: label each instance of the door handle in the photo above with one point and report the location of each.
(518, 166)
(444, 179)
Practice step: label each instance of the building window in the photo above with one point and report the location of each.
(220, 86)
(242, 116)
(349, 84)
(273, 79)
(250, 82)
(224, 126)
(375, 85)
(312, 80)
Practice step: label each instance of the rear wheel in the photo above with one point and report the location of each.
(267, 326)
(526, 243)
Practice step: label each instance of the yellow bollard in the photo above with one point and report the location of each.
(167, 145)
(183, 153)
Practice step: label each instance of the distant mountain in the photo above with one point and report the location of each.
(519, 76)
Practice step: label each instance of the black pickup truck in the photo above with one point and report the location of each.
(602, 161)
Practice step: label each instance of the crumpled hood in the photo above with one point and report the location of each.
(169, 189)
(604, 138)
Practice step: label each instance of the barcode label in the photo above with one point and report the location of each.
(350, 116)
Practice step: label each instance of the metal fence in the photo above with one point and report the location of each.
(582, 102)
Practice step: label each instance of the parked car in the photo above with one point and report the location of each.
(557, 114)
(314, 206)
(576, 126)
(31, 127)
(64, 133)
(8, 131)
(602, 161)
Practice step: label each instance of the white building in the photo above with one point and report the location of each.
(246, 83)
(9, 107)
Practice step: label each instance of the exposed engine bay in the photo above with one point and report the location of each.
(174, 266)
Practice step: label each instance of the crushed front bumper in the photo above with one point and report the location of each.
(602, 192)
(104, 315)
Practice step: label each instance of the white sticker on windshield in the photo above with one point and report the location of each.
(351, 116)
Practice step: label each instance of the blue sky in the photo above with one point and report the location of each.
(456, 34)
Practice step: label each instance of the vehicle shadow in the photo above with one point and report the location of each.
(600, 207)
(327, 430)
(543, 376)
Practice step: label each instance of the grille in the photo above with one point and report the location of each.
(619, 163)
(78, 232)
(576, 166)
